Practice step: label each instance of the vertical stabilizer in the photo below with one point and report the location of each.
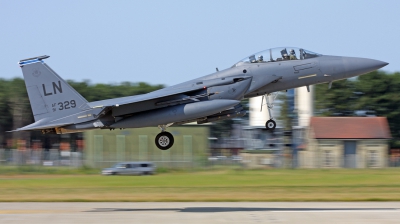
(49, 94)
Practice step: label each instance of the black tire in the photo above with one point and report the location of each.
(270, 125)
(164, 140)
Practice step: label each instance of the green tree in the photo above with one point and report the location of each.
(380, 92)
(339, 100)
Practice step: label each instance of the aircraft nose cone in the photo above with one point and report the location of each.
(359, 66)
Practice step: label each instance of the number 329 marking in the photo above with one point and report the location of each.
(66, 105)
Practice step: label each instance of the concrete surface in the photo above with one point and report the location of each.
(202, 212)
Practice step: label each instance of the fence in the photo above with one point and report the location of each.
(52, 157)
(179, 159)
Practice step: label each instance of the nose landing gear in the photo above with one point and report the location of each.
(164, 140)
(270, 124)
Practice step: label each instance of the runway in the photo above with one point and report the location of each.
(201, 212)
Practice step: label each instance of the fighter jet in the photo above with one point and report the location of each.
(58, 108)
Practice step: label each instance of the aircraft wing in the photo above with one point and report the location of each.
(169, 91)
(180, 89)
(179, 94)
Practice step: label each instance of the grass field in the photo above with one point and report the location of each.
(213, 185)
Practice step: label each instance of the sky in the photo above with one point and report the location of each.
(168, 42)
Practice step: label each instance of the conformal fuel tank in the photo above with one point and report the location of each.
(173, 114)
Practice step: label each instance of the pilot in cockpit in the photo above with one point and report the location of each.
(285, 57)
(292, 55)
(260, 59)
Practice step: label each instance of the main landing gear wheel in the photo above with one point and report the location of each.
(270, 125)
(164, 140)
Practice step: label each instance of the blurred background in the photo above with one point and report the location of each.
(115, 49)
(356, 124)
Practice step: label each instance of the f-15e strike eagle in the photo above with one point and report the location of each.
(58, 108)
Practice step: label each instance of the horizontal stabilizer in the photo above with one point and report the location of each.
(40, 125)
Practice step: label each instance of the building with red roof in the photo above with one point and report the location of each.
(349, 142)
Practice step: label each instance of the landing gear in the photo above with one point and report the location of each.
(270, 124)
(164, 140)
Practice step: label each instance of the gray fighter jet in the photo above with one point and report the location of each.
(58, 108)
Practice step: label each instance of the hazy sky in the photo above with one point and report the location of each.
(167, 42)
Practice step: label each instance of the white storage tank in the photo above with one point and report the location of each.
(304, 103)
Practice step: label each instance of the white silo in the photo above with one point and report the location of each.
(304, 103)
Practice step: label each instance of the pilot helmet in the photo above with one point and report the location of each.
(292, 51)
(260, 57)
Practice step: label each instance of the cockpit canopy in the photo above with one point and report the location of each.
(279, 54)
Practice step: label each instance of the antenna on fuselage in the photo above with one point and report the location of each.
(217, 69)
